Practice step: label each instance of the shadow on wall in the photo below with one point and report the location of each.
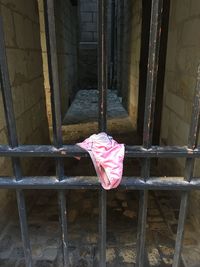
(131, 57)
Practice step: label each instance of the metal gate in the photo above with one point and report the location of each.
(59, 151)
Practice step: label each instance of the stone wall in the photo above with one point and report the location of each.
(66, 35)
(87, 63)
(131, 56)
(88, 21)
(183, 57)
(22, 38)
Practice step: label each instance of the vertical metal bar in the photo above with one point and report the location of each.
(102, 228)
(154, 45)
(189, 166)
(102, 63)
(12, 138)
(112, 45)
(102, 86)
(56, 115)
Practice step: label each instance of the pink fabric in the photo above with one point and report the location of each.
(107, 156)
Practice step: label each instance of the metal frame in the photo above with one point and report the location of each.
(59, 151)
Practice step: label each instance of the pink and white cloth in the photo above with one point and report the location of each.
(107, 156)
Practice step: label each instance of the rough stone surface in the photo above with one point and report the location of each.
(85, 107)
(22, 41)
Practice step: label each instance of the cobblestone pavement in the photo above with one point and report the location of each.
(83, 231)
(83, 212)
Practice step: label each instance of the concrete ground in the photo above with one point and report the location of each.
(83, 213)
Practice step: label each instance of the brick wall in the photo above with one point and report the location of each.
(88, 20)
(131, 56)
(22, 37)
(183, 56)
(66, 34)
(87, 63)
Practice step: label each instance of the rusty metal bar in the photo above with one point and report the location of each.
(56, 115)
(102, 64)
(76, 151)
(154, 44)
(102, 87)
(13, 141)
(189, 167)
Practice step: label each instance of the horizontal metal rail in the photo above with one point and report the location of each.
(76, 151)
(91, 182)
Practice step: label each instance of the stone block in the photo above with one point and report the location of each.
(89, 27)
(180, 127)
(86, 17)
(2, 115)
(88, 7)
(18, 100)
(194, 7)
(185, 85)
(34, 65)
(9, 30)
(128, 255)
(165, 122)
(86, 36)
(17, 66)
(190, 32)
(182, 11)
(175, 103)
(3, 137)
(24, 31)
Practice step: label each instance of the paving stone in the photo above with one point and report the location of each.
(14, 233)
(128, 255)
(121, 195)
(166, 251)
(21, 263)
(130, 213)
(7, 262)
(72, 215)
(190, 241)
(124, 204)
(113, 204)
(111, 238)
(110, 255)
(50, 254)
(52, 242)
(155, 219)
(167, 261)
(5, 243)
(91, 238)
(154, 257)
(191, 256)
(52, 228)
(36, 250)
(17, 253)
(44, 263)
(127, 238)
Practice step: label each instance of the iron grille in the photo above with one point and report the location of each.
(59, 151)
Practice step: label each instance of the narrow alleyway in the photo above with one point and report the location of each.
(83, 211)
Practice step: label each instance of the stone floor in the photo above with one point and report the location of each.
(83, 214)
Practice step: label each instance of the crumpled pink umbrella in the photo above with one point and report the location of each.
(107, 156)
